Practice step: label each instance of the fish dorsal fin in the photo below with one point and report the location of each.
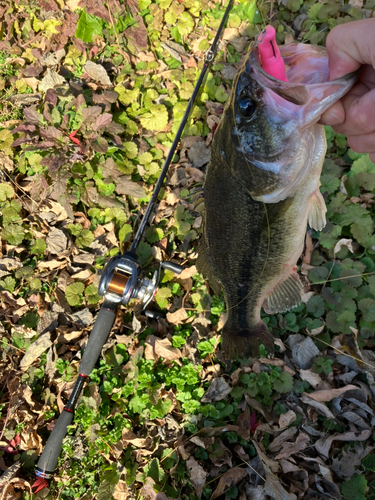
(285, 296)
(317, 211)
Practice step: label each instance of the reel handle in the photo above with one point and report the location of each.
(171, 266)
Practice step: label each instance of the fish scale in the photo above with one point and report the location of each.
(262, 188)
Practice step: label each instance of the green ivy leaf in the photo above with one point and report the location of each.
(8, 283)
(170, 17)
(315, 306)
(363, 164)
(220, 94)
(131, 149)
(145, 158)
(154, 234)
(355, 488)
(13, 234)
(73, 294)
(329, 182)
(75, 229)
(127, 96)
(144, 253)
(88, 26)
(367, 307)
(35, 285)
(161, 297)
(6, 140)
(284, 383)
(329, 239)
(11, 212)
(318, 274)
(39, 248)
(91, 294)
(6, 192)
(156, 119)
(34, 162)
(85, 238)
(125, 233)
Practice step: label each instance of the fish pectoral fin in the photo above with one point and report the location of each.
(317, 211)
(285, 296)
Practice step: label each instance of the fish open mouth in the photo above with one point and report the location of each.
(307, 73)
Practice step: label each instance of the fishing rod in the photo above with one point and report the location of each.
(122, 280)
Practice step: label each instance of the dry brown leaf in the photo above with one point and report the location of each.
(229, 479)
(273, 487)
(218, 390)
(51, 264)
(309, 247)
(288, 449)
(279, 440)
(157, 348)
(121, 491)
(319, 407)
(287, 418)
(129, 437)
(329, 394)
(35, 350)
(188, 272)
(312, 378)
(323, 445)
(243, 422)
(197, 475)
(97, 73)
(177, 317)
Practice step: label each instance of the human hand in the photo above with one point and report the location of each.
(351, 46)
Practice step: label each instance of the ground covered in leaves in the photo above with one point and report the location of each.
(91, 96)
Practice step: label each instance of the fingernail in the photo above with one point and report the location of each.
(332, 117)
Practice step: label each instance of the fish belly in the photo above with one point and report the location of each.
(251, 248)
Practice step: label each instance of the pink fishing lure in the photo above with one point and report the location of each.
(272, 62)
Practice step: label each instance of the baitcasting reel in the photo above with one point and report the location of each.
(123, 279)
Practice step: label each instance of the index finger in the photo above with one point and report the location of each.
(349, 46)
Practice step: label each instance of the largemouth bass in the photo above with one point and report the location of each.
(262, 189)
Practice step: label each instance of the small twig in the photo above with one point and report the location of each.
(31, 41)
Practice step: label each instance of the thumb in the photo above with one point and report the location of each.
(349, 46)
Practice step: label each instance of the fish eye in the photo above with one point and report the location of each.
(246, 106)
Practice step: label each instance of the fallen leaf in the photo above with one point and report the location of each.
(51, 80)
(329, 394)
(97, 73)
(273, 487)
(343, 242)
(311, 377)
(289, 449)
(323, 445)
(229, 479)
(157, 348)
(279, 440)
(287, 418)
(319, 407)
(218, 390)
(177, 317)
(304, 351)
(126, 186)
(121, 491)
(188, 272)
(197, 475)
(56, 241)
(129, 437)
(199, 154)
(35, 350)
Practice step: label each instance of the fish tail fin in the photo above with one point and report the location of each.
(246, 343)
